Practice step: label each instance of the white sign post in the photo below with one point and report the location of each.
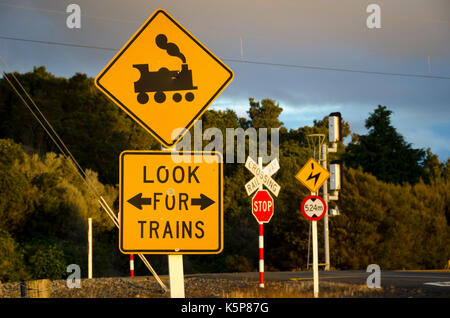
(315, 259)
(90, 248)
(176, 276)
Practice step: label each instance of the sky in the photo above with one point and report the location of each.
(287, 35)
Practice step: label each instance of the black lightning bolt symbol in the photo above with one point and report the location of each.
(311, 176)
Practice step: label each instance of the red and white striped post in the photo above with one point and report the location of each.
(261, 239)
(131, 265)
(261, 255)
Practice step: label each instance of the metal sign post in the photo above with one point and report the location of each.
(325, 219)
(176, 271)
(90, 248)
(315, 259)
(176, 276)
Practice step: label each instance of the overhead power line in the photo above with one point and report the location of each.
(61, 12)
(57, 43)
(335, 69)
(297, 66)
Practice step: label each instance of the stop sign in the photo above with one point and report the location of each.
(262, 206)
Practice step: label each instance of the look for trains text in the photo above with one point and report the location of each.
(171, 201)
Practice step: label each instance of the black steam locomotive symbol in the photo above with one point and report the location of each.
(164, 80)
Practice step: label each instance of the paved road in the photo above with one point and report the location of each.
(431, 282)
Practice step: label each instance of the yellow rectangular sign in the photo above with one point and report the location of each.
(312, 175)
(171, 202)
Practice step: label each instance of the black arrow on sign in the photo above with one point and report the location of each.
(138, 201)
(203, 201)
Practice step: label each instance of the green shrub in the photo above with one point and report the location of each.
(46, 260)
(11, 259)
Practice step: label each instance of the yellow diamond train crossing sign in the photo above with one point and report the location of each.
(312, 175)
(171, 202)
(164, 78)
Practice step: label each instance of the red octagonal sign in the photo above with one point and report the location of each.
(262, 206)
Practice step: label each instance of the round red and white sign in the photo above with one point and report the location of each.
(314, 208)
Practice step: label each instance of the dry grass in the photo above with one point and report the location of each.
(196, 287)
(295, 289)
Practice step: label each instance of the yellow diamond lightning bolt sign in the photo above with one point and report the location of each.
(170, 202)
(164, 78)
(312, 175)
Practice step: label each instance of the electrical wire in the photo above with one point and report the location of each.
(57, 43)
(321, 68)
(310, 67)
(15, 6)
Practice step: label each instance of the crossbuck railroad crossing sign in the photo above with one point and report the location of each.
(262, 176)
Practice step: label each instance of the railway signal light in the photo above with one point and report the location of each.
(335, 127)
(336, 176)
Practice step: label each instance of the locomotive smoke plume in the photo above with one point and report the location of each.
(171, 48)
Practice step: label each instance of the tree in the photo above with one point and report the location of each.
(45, 204)
(12, 267)
(264, 114)
(16, 194)
(384, 153)
(45, 260)
(433, 168)
(394, 226)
